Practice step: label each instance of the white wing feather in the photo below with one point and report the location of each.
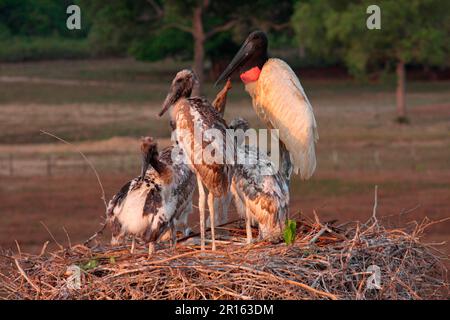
(279, 99)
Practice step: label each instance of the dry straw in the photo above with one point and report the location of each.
(325, 262)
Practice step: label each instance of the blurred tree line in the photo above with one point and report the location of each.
(414, 32)
(34, 30)
(194, 29)
(208, 32)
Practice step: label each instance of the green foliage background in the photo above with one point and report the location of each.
(414, 31)
(331, 32)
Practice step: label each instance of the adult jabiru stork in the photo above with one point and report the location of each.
(278, 99)
(195, 120)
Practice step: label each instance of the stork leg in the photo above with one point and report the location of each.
(225, 204)
(212, 209)
(248, 223)
(221, 211)
(133, 245)
(173, 239)
(184, 218)
(118, 239)
(151, 249)
(201, 208)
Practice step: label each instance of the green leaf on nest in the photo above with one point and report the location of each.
(91, 264)
(290, 232)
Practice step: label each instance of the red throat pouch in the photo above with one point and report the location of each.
(250, 75)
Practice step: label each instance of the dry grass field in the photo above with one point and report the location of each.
(104, 106)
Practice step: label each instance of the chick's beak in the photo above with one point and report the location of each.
(171, 98)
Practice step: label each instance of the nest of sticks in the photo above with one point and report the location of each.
(325, 262)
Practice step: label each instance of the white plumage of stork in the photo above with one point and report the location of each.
(194, 117)
(157, 202)
(278, 99)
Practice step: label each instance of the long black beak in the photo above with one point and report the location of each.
(239, 59)
(171, 98)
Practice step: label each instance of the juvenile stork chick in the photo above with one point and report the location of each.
(199, 127)
(260, 194)
(153, 203)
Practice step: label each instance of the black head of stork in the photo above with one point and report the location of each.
(181, 87)
(149, 149)
(251, 56)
